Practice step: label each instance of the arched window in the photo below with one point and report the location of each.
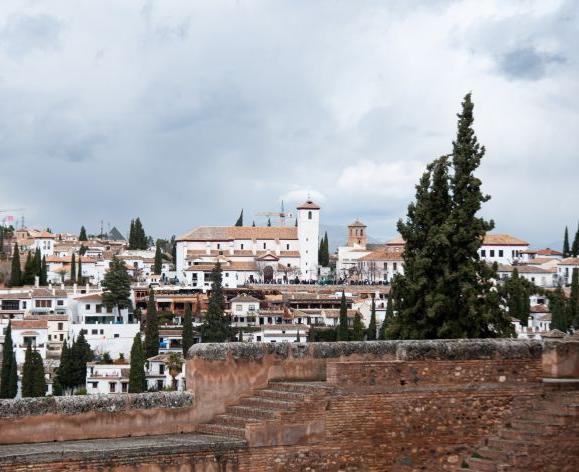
(309, 215)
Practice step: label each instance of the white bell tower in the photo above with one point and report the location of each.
(308, 236)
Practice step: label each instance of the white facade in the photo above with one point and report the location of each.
(25, 332)
(159, 375)
(565, 269)
(107, 378)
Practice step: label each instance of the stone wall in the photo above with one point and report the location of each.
(31, 420)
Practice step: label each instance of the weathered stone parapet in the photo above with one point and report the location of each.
(444, 349)
(73, 405)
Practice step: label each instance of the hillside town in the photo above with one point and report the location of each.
(59, 300)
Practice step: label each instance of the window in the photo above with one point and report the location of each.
(385, 265)
(309, 215)
(500, 253)
(258, 338)
(218, 246)
(95, 384)
(264, 245)
(60, 302)
(239, 307)
(161, 369)
(60, 326)
(87, 307)
(394, 266)
(492, 253)
(483, 253)
(112, 387)
(116, 335)
(287, 247)
(43, 303)
(242, 246)
(102, 331)
(23, 304)
(94, 331)
(125, 387)
(99, 308)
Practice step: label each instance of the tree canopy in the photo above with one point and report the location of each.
(217, 325)
(116, 285)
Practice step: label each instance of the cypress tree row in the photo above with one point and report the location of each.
(137, 236)
(566, 248)
(517, 291)
(73, 269)
(447, 291)
(15, 272)
(216, 327)
(37, 262)
(137, 380)
(575, 246)
(38, 380)
(239, 221)
(80, 353)
(8, 386)
(79, 278)
(28, 374)
(324, 252)
(371, 334)
(388, 316)
(342, 332)
(187, 329)
(158, 264)
(152, 328)
(64, 371)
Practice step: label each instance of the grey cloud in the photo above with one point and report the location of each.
(527, 63)
(22, 34)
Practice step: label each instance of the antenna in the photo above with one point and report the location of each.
(101, 234)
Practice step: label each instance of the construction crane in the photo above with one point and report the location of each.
(282, 215)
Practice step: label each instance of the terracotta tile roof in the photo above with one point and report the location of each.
(244, 299)
(308, 205)
(524, 269)
(541, 308)
(230, 233)
(68, 259)
(33, 233)
(383, 255)
(29, 324)
(503, 240)
(396, 241)
(574, 261)
(242, 266)
(549, 252)
(200, 268)
(357, 224)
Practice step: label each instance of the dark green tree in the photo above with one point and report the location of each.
(566, 248)
(575, 246)
(268, 221)
(73, 269)
(132, 235)
(1, 239)
(324, 251)
(187, 329)
(80, 354)
(239, 221)
(137, 380)
(253, 224)
(517, 292)
(43, 272)
(116, 285)
(82, 250)
(158, 264)
(28, 374)
(447, 291)
(82, 235)
(557, 306)
(7, 386)
(64, 371)
(371, 334)
(388, 316)
(216, 327)
(152, 328)
(573, 302)
(139, 239)
(79, 278)
(16, 271)
(37, 262)
(342, 331)
(358, 328)
(29, 270)
(38, 378)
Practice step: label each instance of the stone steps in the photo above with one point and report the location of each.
(268, 403)
(281, 395)
(235, 421)
(251, 412)
(221, 430)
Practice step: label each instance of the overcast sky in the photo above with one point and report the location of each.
(183, 112)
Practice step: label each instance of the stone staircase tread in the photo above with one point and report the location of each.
(251, 409)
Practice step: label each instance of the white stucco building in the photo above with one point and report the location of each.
(250, 254)
(502, 249)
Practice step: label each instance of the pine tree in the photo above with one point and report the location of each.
(158, 265)
(447, 291)
(216, 326)
(28, 374)
(371, 333)
(73, 269)
(575, 246)
(137, 236)
(152, 328)
(358, 328)
(43, 272)
(82, 235)
(573, 302)
(253, 224)
(8, 365)
(116, 285)
(388, 316)
(16, 272)
(558, 310)
(342, 332)
(239, 221)
(38, 378)
(80, 279)
(29, 270)
(137, 380)
(187, 330)
(566, 248)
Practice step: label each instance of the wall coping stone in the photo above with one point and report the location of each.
(109, 403)
(440, 349)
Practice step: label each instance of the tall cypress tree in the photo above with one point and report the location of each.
(268, 221)
(371, 334)
(132, 235)
(158, 264)
(16, 271)
(7, 390)
(116, 285)
(239, 221)
(558, 310)
(43, 272)
(447, 291)
(73, 269)
(37, 262)
(137, 379)
(342, 332)
(80, 278)
(566, 248)
(187, 329)
(575, 246)
(38, 379)
(388, 316)
(82, 235)
(517, 297)
(28, 374)
(573, 302)
(80, 354)
(29, 270)
(64, 371)
(216, 327)
(358, 328)
(152, 328)
(1, 239)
